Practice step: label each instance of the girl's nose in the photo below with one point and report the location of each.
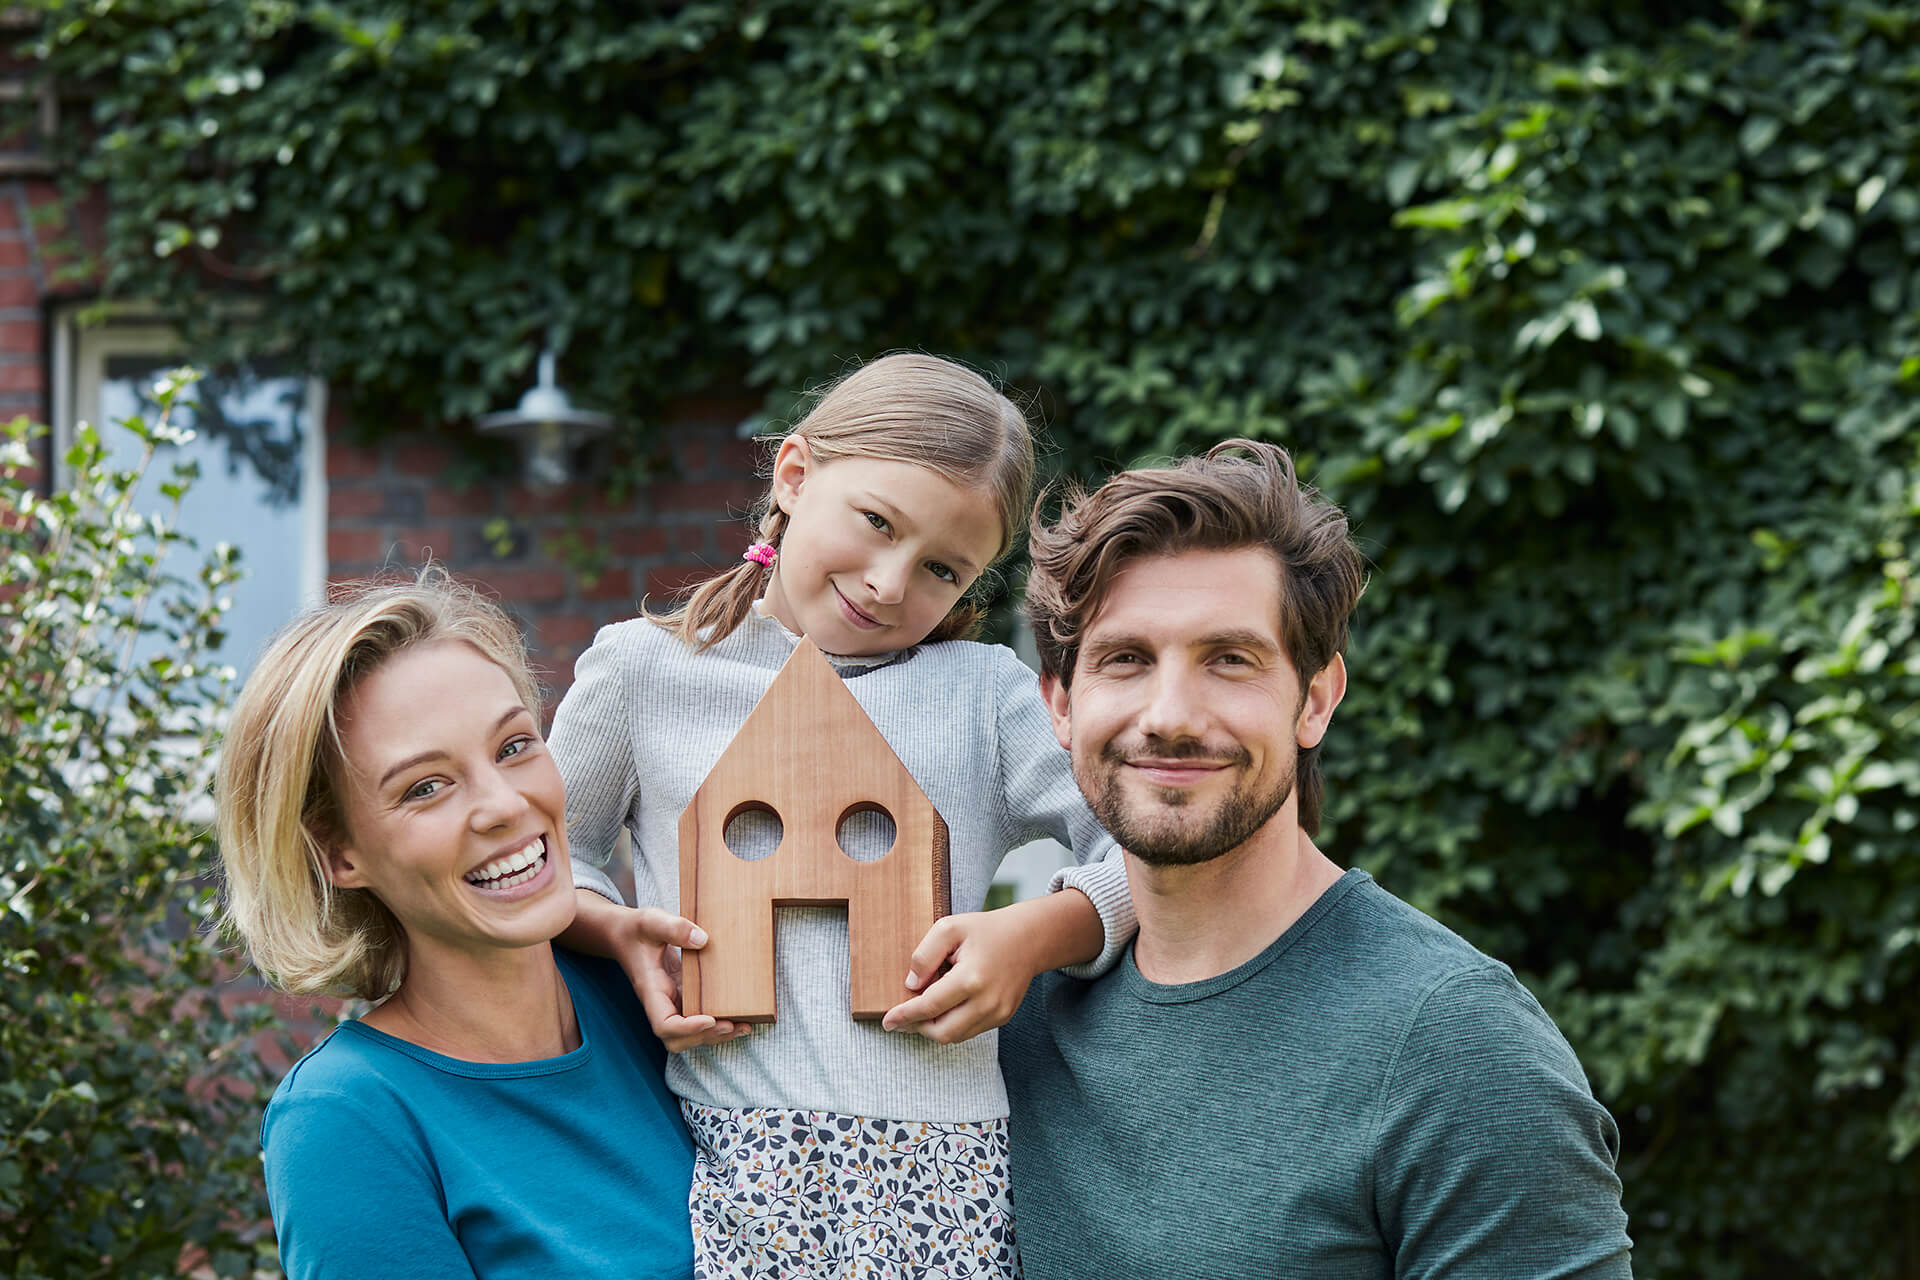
(887, 580)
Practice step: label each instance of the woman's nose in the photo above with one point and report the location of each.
(497, 800)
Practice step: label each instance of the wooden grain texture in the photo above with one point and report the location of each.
(808, 753)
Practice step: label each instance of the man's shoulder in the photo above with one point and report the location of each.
(1400, 946)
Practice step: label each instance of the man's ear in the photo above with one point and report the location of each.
(790, 467)
(1059, 709)
(1324, 692)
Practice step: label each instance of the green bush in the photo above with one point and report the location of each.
(129, 1090)
(1600, 318)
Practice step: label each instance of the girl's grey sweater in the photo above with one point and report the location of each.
(645, 721)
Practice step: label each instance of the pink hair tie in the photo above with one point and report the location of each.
(761, 553)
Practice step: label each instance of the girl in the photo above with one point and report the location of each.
(827, 1146)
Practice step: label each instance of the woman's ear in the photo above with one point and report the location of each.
(343, 872)
(790, 467)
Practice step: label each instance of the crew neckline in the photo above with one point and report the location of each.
(855, 661)
(1147, 989)
(568, 1061)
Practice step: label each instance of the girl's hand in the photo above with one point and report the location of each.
(652, 961)
(990, 958)
(646, 942)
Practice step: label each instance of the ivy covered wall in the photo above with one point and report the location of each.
(1600, 318)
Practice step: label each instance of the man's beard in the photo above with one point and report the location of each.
(1159, 838)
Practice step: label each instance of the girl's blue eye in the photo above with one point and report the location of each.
(419, 790)
(877, 520)
(516, 746)
(942, 572)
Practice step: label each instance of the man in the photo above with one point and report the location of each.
(1294, 1073)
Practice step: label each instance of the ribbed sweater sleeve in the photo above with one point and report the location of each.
(1042, 799)
(591, 742)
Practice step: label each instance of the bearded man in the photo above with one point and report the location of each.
(1294, 1073)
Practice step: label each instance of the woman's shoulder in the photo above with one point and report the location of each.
(348, 1083)
(348, 1064)
(604, 981)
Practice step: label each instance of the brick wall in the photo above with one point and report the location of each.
(390, 506)
(26, 270)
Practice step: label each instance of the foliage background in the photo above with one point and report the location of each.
(130, 1085)
(1599, 318)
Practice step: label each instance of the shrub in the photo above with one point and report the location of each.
(129, 1093)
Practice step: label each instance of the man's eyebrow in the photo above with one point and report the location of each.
(897, 516)
(1230, 638)
(1238, 638)
(436, 754)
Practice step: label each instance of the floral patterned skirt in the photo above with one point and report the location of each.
(810, 1193)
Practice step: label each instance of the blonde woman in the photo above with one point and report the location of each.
(393, 828)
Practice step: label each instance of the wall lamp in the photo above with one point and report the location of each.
(547, 428)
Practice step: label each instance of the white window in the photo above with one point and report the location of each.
(258, 440)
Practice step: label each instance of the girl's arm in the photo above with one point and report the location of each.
(1085, 924)
(593, 745)
(646, 943)
(994, 956)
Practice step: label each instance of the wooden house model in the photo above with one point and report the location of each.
(810, 756)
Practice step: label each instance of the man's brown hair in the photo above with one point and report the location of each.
(1241, 493)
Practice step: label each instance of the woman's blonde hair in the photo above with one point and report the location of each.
(281, 772)
(901, 408)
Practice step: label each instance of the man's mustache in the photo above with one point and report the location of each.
(1152, 748)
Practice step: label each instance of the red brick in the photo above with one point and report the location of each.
(354, 546)
(569, 631)
(692, 537)
(671, 579)
(704, 495)
(647, 540)
(692, 451)
(22, 337)
(9, 219)
(346, 504)
(417, 544)
(742, 456)
(421, 458)
(350, 460)
(24, 376)
(609, 584)
(476, 500)
(718, 410)
(524, 500)
(524, 586)
(19, 291)
(13, 250)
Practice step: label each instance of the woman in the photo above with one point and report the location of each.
(392, 826)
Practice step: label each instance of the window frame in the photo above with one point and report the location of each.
(80, 352)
